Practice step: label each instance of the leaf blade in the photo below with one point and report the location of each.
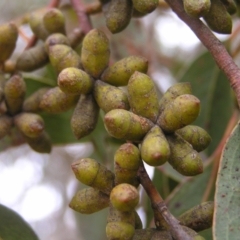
(227, 196)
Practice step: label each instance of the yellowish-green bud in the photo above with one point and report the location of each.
(218, 19)
(199, 217)
(196, 136)
(32, 58)
(54, 21)
(155, 149)
(62, 56)
(8, 39)
(93, 174)
(85, 116)
(120, 72)
(118, 15)
(123, 124)
(180, 112)
(56, 101)
(95, 52)
(142, 96)
(75, 81)
(89, 200)
(124, 197)
(109, 97)
(30, 124)
(14, 93)
(184, 158)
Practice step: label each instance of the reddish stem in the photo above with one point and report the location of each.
(83, 18)
(214, 46)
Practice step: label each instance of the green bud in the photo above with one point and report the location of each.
(142, 96)
(118, 15)
(41, 144)
(93, 174)
(137, 14)
(62, 56)
(119, 231)
(124, 197)
(95, 52)
(89, 200)
(218, 19)
(145, 6)
(196, 136)
(30, 124)
(32, 59)
(120, 72)
(173, 92)
(85, 116)
(14, 92)
(128, 157)
(123, 124)
(54, 39)
(127, 160)
(54, 21)
(9, 35)
(231, 6)
(180, 112)
(115, 215)
(6, 123)
(155, 149)
(32, 103)
(75, 81)
(56, 101)
(184, 158)
(123, 175)
(36, 24)
(199, 217)
(2, 83)
(198, 8)
(109, 97)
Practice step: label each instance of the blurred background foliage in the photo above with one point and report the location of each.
(40, 186)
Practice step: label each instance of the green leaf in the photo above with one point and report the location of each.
(211, 86)
(189, 193)
(227, 197)
(59, 128)
(13, 226)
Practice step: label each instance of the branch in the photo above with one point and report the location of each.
(214, 46)
(83, 18)
(162, 216)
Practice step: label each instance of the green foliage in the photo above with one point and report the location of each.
(13, 226)
(227, 198)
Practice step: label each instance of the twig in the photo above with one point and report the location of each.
(83, 18)
(163, 218)
(214, 46)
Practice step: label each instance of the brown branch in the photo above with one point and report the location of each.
(83, 18)
(162, 216)
(214, 46)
